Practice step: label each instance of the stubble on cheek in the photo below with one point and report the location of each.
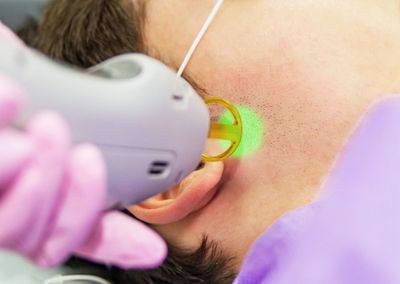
(305, 121)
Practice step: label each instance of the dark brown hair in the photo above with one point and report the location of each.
(87, 32)
(84, 33)
(206, 264)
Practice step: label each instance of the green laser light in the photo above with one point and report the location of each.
(253, 131)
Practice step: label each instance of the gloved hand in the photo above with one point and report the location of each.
(52, 195)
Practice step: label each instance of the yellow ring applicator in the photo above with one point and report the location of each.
(228, 132)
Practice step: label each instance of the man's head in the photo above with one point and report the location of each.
(309, 68)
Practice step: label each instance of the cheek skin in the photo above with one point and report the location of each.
(308, 106)
(309, 94)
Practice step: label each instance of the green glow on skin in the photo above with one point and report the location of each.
(253, 131)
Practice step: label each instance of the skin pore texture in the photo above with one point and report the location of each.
(309, 68)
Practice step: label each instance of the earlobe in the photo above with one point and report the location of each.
(193, 193)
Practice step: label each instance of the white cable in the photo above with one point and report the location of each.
(61, 279)
(196, 42)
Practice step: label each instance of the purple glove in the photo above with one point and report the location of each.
(52, 195)
(352, 235)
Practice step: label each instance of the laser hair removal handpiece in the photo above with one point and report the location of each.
(150, 125)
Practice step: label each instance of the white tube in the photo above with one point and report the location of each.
(200, 35)
(61, 279)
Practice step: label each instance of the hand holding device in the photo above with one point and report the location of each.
(52, 195)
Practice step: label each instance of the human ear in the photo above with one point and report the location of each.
(193, 193)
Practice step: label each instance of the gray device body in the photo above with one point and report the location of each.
(151, 126)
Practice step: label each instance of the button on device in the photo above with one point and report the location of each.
(117, 68)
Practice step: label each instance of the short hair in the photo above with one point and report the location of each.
(206, 264)
(87, 32)
(84, 33)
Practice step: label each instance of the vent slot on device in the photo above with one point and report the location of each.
(177, 97)
(158, 168)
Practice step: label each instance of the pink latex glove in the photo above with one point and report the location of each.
(52, 195)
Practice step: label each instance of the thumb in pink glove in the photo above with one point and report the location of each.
(52, 197)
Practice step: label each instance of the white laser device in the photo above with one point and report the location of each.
(150, 125)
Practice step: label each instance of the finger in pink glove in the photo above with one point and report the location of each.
(130, 243)
(11, 100)
(33, 196)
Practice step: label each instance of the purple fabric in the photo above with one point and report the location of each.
(352, 234)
